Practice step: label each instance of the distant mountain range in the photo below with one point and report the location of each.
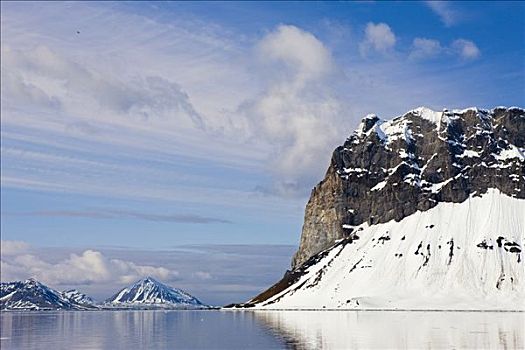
(33, 295)
(147, 293)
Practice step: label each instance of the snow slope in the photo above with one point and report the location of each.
(455, 256)
(77, 297)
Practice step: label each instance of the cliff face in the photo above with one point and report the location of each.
(389, 170)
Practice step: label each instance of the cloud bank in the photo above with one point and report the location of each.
(89, 267)
(217, 274)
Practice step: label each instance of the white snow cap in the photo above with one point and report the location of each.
(429, 114)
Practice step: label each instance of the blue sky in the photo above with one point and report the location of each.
(155, 125)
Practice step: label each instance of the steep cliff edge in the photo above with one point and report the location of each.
(389, 170)
(434, 197)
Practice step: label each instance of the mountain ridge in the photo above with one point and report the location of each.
(34, 295)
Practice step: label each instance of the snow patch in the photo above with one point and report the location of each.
(510, 153)
(379, 186)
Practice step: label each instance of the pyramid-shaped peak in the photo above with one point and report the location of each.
(149, 279)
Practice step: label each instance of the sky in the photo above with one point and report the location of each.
(131, 131)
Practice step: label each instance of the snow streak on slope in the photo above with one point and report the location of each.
(77, 297)
(454, 256)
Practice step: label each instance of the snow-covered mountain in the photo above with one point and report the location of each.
(149, 292)
(144, 294)
(33, 295)
(77, 297)
(425, 211)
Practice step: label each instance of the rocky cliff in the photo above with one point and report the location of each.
(423, 211)
(387, 170)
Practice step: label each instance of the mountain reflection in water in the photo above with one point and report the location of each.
(397, 329)
(261, 330)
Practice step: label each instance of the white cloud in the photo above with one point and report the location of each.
(443, 9)
(466, 49)
(162, 101)
(298, 49)
(216, 274)
(297, 112)
(425, 48)
(86, 268)
(183, 94)
(378, 37)
(8, 248)
(41, 76)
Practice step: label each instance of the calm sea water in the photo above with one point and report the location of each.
(261, 330)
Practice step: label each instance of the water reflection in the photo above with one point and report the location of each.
(397, 330)
(261, 330)
(135, 330)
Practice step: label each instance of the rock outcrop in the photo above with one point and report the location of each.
(389, 170)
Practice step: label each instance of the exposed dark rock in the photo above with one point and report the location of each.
(484, 245)
(451, 252)
(382, 239)
(376, 177)
(418, 247)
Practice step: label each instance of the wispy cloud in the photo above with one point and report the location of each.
(165, 100)
(423, 48)
(447, 14)
(123, 214)
(466, 49)
(181, 111)
(43, 77)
